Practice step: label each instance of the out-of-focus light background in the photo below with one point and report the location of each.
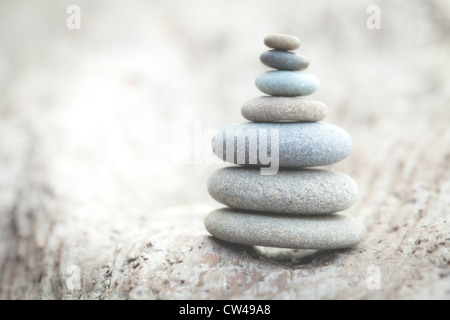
(98, 125)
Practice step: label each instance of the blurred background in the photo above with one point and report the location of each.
(114, 115)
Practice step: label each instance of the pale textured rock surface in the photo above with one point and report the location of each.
(282, 41)
(82, 115)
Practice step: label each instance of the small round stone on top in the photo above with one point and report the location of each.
(282, 42)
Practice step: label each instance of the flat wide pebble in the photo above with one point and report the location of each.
(284, 109)
(284, 60)
(282, 42)
(287, 83)
(304, 191)
(292, 145)
(296, 232)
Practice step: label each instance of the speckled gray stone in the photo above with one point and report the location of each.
(284, 60)
(303, 144)
(287, 83)
(300, 191)
(282, 42)
(282, 109)
(296, 232)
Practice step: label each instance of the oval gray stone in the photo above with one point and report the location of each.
(282, 109)
(284, 60)
(287, 83)
(282, 42)
(305, 191)
(296, 232)
(302, 144)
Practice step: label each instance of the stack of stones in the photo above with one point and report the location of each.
(282, 203)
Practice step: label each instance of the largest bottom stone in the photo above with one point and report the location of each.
(284, 231)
